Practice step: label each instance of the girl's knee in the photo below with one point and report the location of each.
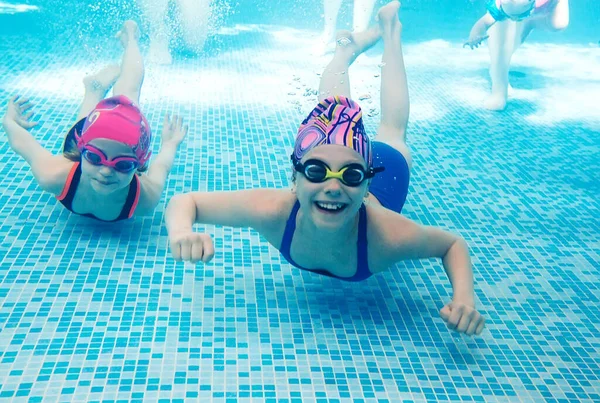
(559, 24)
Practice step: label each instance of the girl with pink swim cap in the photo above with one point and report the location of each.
(507, 23)
(342, 218)
(99, 174)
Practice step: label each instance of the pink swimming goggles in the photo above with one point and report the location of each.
(117, 119)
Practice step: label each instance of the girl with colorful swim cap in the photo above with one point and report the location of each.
(507, 23)
(342, 218)
(99, 174)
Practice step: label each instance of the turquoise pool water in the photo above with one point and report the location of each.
(99, 312)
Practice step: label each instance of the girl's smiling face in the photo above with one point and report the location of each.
(331, 204)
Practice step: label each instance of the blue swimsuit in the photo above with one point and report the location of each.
(362, 269)
(390, 187)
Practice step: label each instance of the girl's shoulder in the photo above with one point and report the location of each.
(53, 177)
(277, 204)
(387, 231)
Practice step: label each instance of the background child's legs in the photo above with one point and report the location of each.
(559, 18)
(556, 20)
(96, 88)
(395, 105)
(130, 80)
(505, 38)
(363, 9)
(335, 79)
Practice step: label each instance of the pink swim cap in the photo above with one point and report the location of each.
(335, 120)
(118, 119)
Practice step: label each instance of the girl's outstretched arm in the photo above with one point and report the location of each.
(49, 170)
(153, 184)
(255, 208)
(409, 240)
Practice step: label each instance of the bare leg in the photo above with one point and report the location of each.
(130, 81)
(96, 87)
(395, 104)
(335, 79)
(193, 20)
(502, 44)
(556, 20)
(559, 18)
(363, 9)
(154, 12)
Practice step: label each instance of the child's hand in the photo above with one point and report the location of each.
(462, 318)
(173, 130)
(17, 112)
(475, 41)
(191, 247)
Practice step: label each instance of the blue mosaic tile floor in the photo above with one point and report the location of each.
(94, 312)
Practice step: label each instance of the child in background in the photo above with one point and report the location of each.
(507, 23)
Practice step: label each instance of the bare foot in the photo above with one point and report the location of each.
(102, 80)
(129, 32)
(353, 44)
(495, 102)
(387, 16)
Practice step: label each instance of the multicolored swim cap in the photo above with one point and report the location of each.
(335, 120)
(118, 119)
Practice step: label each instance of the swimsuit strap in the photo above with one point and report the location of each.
(288, 235)
(133, 198)
(362, 258)
(68, 192)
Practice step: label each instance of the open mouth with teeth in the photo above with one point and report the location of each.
(329, 207)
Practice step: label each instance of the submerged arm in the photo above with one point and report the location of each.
(46, 167)
(415, 241)
(154, 183)
(245, 208)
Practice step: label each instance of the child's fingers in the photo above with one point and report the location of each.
(176, 250)
(473, 323)
(480, 326)
(445, 312)
(465, 321)
(195, 252)
(26, 106)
